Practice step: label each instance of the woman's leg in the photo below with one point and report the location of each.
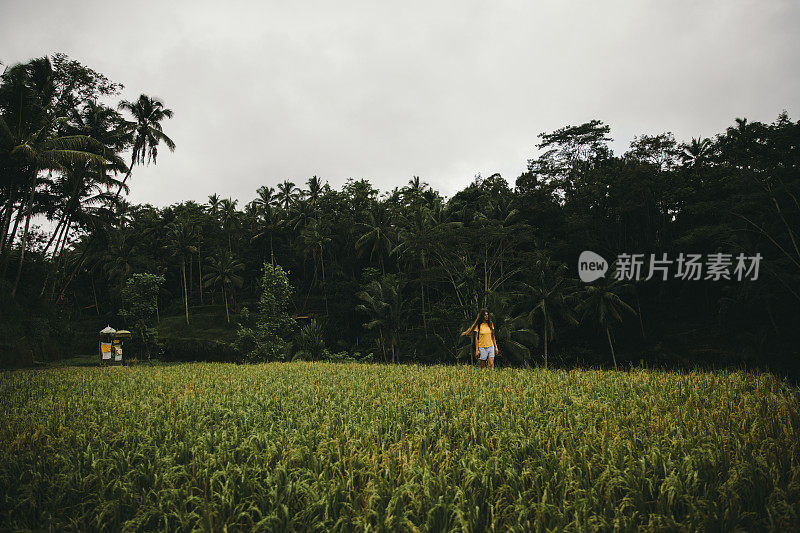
(490, 356)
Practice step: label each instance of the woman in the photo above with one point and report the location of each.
(485, 343)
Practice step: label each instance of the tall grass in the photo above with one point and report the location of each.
(316, 446)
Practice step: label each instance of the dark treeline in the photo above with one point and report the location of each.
(399, 275)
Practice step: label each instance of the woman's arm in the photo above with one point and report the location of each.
(496, 347)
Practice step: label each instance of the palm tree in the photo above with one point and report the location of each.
(299, 215)
(287, 195)
(384, 305)
(83, 178)
(550, 295)
(179, 244)
(696, 153)
(84, 206)
(269, 217)
(266, 197)
(414, 190)
(602, 303)
(224, 273)
(118, 256)
(414, 237)
(30, 142)
(229, 218)
(213, 204)
(314, 190)
(146, 131)
(316, 237)
(375, 235)
(83, 184)
(109, 229)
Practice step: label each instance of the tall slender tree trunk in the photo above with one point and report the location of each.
(225, 297)
(200, 274)
(185, 292)
(24, 243)
(485, 273)
(128, 175)
(67, 215)
(55, 232)
(424, 321)
(324, 288)
(94, 293)
(6, 251)
(271, 250)
(191, 277)
(9, 210)
(614, 357)
(58, 253)
(311, 285)
(78, 264)
(54, 266)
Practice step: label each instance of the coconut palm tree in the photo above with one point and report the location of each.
(269, 217)
(30, 142)
(83, 179)
(384, 305)
(287, 195)
(82, 185)
(412, 248)
(413, 192)
(223, 272)
(146, 131)
(213, 204)
(179, 244)
(314, 191)
(316, 237)
(119, 255)
(229, 218)
(375, 235)
(551, 295)
(602, 304)
(696, 153)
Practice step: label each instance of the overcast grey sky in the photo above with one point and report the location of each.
(267, 91)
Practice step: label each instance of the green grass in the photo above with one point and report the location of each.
(315, 446)
(78, 360)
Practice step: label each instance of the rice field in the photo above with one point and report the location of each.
(349, 447)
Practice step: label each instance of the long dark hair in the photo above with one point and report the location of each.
(479, 320)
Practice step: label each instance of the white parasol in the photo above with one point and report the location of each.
(108, 329)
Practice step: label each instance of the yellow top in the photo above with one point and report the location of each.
(485, 336)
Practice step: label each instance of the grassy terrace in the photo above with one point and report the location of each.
(365, 447)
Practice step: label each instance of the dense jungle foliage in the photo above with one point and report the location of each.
(392, 276)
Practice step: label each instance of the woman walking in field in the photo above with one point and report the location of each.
(485, 343)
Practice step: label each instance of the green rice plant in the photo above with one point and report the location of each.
(316, 446)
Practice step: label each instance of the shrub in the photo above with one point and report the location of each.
(262, 336)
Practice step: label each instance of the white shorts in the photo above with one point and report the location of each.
(485, 353)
